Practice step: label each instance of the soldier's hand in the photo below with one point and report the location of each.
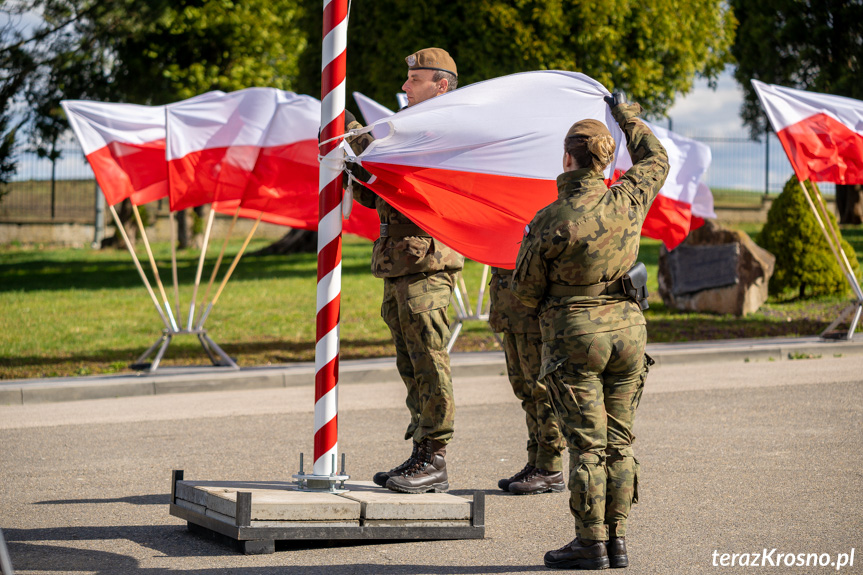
(615, 99)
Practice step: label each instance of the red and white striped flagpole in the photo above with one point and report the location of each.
(333, 63)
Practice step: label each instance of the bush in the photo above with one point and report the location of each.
(804, 260)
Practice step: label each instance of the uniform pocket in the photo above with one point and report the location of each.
(414, 245)
(429, 300)
(579, 487)
(635, 483)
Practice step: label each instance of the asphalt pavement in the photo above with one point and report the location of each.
(754, 452)
(169, 380)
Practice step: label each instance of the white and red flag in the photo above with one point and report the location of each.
(256, 149)
(473, 166)
(125, 146)
(822, 134)
(684, 195)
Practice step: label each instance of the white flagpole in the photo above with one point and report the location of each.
(849, 275)
(229, 272)
(218, 263)
(154, 267)
(200, 267)
(122, 231)
(173, 224)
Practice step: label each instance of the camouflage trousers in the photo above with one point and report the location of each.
(523, 362)
(595, 383)
(415, 310)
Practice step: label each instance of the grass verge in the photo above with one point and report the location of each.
(80, 312)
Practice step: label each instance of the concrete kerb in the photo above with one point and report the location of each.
(205, 378)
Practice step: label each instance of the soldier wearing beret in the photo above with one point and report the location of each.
(522, 346)
(419, 274)
(573, 264)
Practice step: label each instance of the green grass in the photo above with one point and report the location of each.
(79, 311)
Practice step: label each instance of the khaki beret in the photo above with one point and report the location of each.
(587, 128)
(432, 59)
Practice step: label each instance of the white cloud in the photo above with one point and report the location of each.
(705, 111)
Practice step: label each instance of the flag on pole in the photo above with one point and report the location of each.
(125, 146)
(282, 186)
(822, 134)
(472, 167)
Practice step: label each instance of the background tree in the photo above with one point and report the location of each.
(815, 46)
(152, 52)
(652, 49)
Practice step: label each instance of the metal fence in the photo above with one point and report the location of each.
(742, 171)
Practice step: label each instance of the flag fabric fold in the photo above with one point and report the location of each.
(822, 134)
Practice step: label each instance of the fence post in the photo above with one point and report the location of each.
(99, 221)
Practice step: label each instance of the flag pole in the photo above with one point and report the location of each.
(333, 59)
(200, 267)
(122, 231)
(836, 239)
(856, 307)
(843, 260)
(219, 263)
(230, 271)
(154, 267)
(173, 224)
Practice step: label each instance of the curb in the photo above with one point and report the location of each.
(470, 364)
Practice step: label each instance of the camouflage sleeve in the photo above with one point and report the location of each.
(363, 195)
(530, 278)
(649, 159)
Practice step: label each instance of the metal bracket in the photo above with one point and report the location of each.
(210, 347)
(857, 308)
(463, 309)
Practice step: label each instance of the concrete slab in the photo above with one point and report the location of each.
(383, 504)
(271, 501)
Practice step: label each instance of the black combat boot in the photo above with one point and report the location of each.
(579, 554)
(428, 472)
(381, 477)
(538, 481)
(505, 483)
(616, 549)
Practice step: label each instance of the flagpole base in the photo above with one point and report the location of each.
(216, 354)
(855, 308)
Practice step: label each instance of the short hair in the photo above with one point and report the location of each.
(452, 79)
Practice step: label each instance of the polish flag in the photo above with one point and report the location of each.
(283, 185)
(822, 134)
(213, 145)
(125, 146)
(472, 168)
(670, 217)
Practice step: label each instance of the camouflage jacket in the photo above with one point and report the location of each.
(507, 313)
(589, 235)
(399, 255)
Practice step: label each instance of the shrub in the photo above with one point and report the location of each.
(804, 260)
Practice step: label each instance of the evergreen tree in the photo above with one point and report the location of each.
(804, 260)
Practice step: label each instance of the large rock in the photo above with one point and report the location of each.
(715, 270)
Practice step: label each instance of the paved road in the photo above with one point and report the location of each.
(736, 457)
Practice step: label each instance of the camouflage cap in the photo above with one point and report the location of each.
(587, 129)
(432, 59)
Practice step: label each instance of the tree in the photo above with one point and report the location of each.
(804, 261)
(652, 49)
(815, 46)
(153, 51)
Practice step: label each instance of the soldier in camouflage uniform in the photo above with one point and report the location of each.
(522, 346)
(570, 264)
(419, 274)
